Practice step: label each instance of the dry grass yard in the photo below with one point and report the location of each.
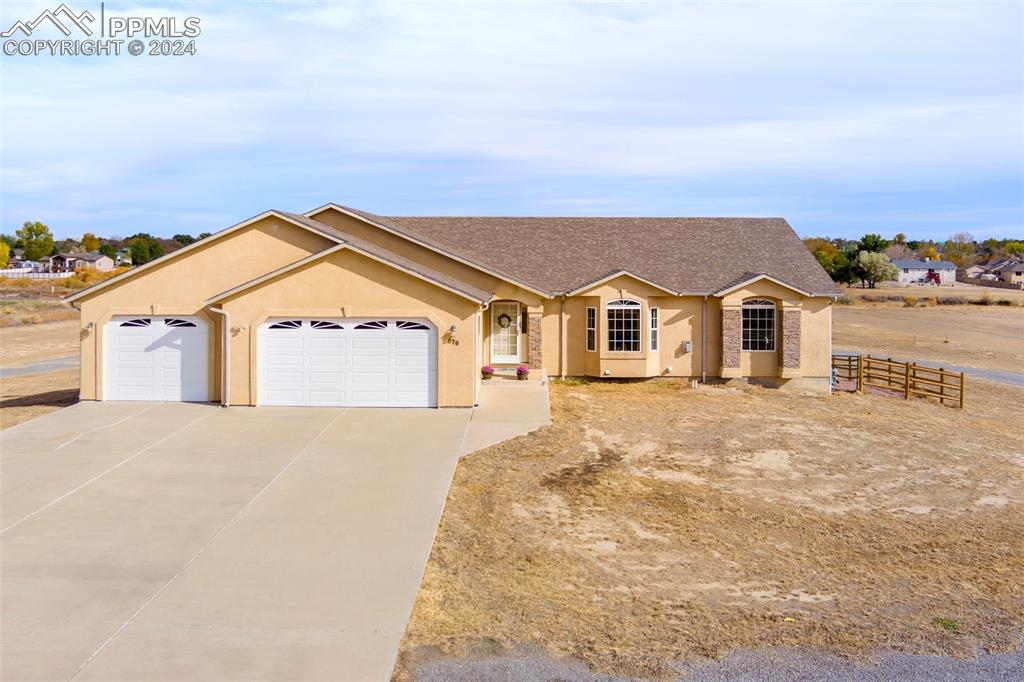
(971, 336)
(654, 523)
(27, 397)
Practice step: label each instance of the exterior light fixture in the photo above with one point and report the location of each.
(451, 331)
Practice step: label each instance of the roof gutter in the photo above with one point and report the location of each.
(225, 388)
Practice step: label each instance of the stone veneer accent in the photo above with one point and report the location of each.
(791, 338)
(534, 344)
(732, 335)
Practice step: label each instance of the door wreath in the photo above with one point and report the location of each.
(504, 320)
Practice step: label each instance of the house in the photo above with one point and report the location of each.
(924, 271)
(343, 307)
(123, 257)
(972, 271)
(1009, 269)
(69, 262)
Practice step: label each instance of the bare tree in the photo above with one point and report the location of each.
(959, 249)
(898, 251)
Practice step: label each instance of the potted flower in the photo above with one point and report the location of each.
(522, 372)
(486, 371)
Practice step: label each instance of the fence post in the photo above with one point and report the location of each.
(942, 386)
(860, 374)
(961, 390)
(906, 381)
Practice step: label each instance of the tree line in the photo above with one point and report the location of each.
(869, 259)
(37, 242)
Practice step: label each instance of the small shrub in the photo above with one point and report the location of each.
(844, 300)
(984, 299)
(32, 319)
(895, 298)
(951, 300)
(929, 301)
(948, 624)
(1004, 301)
(910, 301)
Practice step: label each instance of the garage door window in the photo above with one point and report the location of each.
(324, 324)
(143, 322)
(375, 324)
(287, 324)
(404, 324)
(171, 322)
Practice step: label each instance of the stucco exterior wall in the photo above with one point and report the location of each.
(347, 284)
(180, 285)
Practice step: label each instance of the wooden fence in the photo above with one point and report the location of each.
(904, 379)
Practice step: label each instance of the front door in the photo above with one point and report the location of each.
(504, 333)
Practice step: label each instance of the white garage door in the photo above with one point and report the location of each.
(156, 358)
(348, 362)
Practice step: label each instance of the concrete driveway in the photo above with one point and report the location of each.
(177, 541)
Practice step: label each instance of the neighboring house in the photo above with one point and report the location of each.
(69, 262)
(915, 271)
(972, 271)
(1009, 270)
(343, 307)
(123, 257)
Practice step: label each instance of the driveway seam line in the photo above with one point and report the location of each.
(209, 542)
(107, 426)
(107, 471)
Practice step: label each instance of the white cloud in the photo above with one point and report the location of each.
(865, 93)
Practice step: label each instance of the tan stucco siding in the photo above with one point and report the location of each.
(347, 284)
(816, 338)
(179, 286)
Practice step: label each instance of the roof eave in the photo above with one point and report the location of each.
(454, 256)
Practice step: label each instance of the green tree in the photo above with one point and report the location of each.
(10, 240)
(873, 242)
(5, 253)
(36, 239)
(959, 249)
(108, 250)
(90, 242)
(183, 239)
(1014, 247)
(875, 267)
(204, 235)
(144, 248)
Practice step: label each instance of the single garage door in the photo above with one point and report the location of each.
(156, 358)
(348, 362)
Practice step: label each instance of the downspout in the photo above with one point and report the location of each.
(704, 340)
(562, 346)
(225, 388)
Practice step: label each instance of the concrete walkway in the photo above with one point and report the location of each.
(178, 541)
(508, 408)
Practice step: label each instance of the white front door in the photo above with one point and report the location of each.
(156, 358)
(504, 333)
(348, 362)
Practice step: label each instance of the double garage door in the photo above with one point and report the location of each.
(325, 362)
(348, 362)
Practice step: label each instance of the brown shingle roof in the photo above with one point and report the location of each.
(689, 255)
(393, 258)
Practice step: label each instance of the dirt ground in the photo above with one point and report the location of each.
(25, 344)
(27, 397)
(969, 291)
(654, 523)
(990, 337)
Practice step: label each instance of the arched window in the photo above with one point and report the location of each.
(758, 325)
(623, 325)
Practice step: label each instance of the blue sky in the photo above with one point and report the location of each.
(843, 118)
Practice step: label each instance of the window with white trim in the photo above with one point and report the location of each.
(654, 328)
(623, 326)
(591, 328)
(758, 325)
